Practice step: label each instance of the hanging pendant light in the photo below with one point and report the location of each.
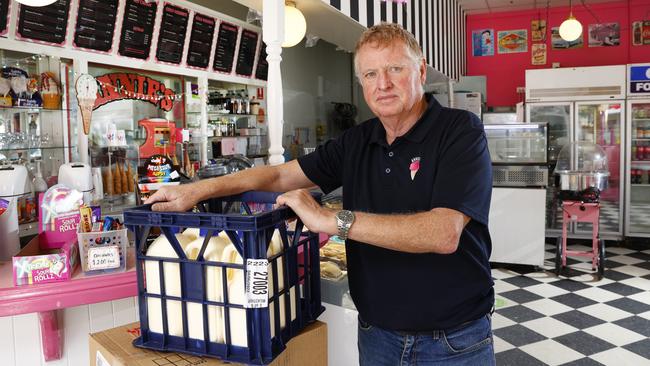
(570, 29)
(36, 2)
(295, 25)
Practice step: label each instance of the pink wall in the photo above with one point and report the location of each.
(506, 72)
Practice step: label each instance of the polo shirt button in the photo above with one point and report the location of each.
(390, 154)
(387, 170)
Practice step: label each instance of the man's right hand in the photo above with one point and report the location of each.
(174, 198)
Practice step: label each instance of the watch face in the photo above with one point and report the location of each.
(345, 216)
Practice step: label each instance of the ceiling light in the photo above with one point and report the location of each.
(570, 29)
(295, 25)
(36, 2)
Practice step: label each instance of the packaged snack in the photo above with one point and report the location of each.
(50, 91)
(86, 219)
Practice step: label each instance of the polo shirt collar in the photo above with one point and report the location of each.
(418, 132)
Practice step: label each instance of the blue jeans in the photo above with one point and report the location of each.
(467, 344)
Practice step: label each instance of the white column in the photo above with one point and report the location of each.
(80, 67)
(273, 34)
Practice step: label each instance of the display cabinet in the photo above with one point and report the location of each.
(37, 120)
(519, 154)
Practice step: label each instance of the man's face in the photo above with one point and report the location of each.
(391, 79)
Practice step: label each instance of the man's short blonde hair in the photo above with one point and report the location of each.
(383, 35)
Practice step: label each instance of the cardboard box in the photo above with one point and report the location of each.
(113, 347)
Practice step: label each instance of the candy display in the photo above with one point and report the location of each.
(102, 249)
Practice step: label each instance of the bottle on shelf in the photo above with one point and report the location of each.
(40, 185)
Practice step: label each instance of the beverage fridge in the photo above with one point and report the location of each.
(637, 174)
(582, 104)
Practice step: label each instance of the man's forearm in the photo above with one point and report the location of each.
(435, 231)
(278, 178)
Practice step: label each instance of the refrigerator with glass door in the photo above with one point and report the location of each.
(637, 174)
(582, 104)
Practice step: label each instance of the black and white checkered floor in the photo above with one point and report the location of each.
(541, 319)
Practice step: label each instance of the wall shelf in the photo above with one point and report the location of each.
(16, 300)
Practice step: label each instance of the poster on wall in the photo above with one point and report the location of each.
(557, 43)
(538, 30)
(513, 41)
(4, 16)
(95, 24)
(604, 34)
(641, 33)
(483, 42)
(137, 28)
(538, 54)
(47, 24)
(224, 52)
(246, 55)
(171, 38)
(198, 53)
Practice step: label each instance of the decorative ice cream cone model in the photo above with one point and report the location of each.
(50, 91)
(86, 88)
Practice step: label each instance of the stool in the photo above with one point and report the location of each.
(578, 211)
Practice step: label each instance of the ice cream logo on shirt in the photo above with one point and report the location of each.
(414, 167)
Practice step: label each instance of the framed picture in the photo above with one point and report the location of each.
(483, 42)
(538, 30)
(557, 43)
(604, 34)
(538, 54)
(513, 41)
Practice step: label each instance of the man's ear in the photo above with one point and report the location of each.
(423, 71)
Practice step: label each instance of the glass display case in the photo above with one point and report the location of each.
(37, 125)
(638, 169)
(519, 154)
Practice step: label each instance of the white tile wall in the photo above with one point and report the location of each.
(20, 338)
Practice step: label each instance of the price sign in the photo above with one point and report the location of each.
(257, 283)
(103, 257)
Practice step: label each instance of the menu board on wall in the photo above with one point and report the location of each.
(171, 38)
(225, 50)
(246, 56)
(262, 70)
(44, 23)
(4, 12)
(198, 54)
(95, 24)
(137, 27)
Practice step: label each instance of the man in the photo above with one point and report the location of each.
(416, 193)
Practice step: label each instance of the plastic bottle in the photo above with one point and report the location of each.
(38, 183)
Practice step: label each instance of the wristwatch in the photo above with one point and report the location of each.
(344, 220)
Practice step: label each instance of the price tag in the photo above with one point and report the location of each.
(103, 257)
(257, 283)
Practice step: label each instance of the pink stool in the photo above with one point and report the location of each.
(578, 211)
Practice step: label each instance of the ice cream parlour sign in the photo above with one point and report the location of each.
(118, 86)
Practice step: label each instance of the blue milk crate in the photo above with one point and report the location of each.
(251, 233)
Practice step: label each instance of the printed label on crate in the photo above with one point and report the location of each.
(257, 283)
(103, 257)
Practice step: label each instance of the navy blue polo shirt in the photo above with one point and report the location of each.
(443, 161)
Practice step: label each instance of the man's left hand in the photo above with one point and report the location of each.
(317, 218)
